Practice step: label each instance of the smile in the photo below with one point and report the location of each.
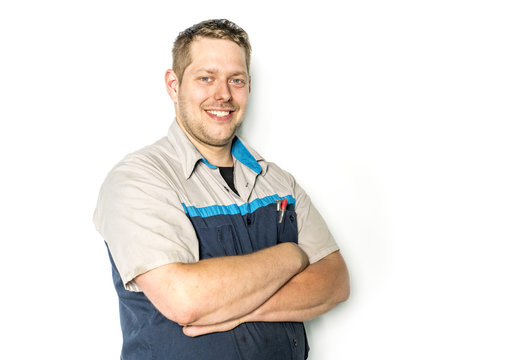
(218, 113)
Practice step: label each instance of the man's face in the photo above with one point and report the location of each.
(211, 100)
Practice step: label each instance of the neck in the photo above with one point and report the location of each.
(218, 155)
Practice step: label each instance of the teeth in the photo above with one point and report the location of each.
(219, 113)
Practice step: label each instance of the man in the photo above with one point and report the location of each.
(216, 253)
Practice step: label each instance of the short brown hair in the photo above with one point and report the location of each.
(216, 29)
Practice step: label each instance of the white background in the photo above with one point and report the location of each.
(402, 119)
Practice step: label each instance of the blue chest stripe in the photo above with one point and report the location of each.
(233, 209)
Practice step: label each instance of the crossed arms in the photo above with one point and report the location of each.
(273, 284)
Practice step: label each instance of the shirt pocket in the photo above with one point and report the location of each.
(218, 241)
(287, 228)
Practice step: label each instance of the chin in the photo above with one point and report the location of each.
(221, 138)
(221, 141)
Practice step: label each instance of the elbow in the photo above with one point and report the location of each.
(343, 288)
(184, 310)
(340, 278)
(179, 307)
(345, 283)
(170, 295)
(181, 312)
(345, 291)
(341, 292)
(184, 305)
(182, 316)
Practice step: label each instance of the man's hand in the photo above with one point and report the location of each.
(197, 330)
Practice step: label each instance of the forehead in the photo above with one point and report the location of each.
(218, 55)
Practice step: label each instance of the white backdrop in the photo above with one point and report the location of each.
(402, 119)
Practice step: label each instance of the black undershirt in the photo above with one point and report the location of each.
(227, 175)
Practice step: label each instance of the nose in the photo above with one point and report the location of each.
(222, 91)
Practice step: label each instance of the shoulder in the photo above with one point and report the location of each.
(153, 171)
(275, 172)
(154, 163)
(148, 175)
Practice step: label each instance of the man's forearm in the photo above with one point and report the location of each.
(307, 295)
(220, 289)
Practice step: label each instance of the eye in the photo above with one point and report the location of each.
(205, 79)
(237, 82)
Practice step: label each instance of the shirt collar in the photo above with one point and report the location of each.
(190, 156)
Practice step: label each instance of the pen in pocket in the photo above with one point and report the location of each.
(281, 207)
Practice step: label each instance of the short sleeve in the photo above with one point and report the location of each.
(314, 237)
(142, 221)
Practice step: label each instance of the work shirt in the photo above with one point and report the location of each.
(166, 203)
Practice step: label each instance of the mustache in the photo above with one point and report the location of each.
(224, 107)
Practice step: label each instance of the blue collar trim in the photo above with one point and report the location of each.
(241, 153)
(211, 166)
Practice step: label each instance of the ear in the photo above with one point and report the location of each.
(172, 85)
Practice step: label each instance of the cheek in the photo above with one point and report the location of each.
(194, 96)
(241, 97)
(198, 98)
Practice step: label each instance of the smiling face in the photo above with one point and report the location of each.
(211, 100)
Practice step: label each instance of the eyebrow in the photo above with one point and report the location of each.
(213, 71)
(207, 70)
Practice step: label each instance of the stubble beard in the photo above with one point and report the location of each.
(197, 128)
